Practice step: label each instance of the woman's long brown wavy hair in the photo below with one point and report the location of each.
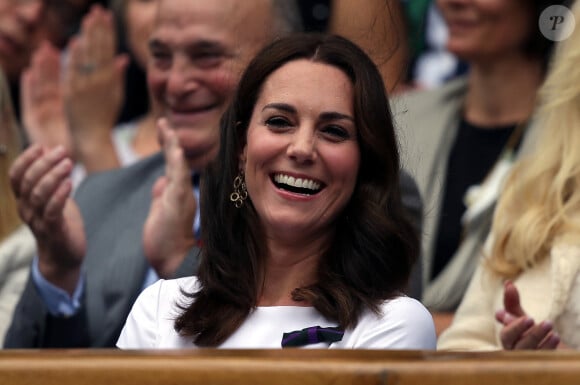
(375, 244)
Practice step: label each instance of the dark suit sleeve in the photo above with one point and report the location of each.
(414, 205)
(34, 327)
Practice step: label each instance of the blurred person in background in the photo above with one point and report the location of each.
(20, 24)
(459, 140)
(525, 293)
(378, 28)
(24, 24)
(17, 244)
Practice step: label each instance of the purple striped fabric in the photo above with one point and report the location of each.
(312, 335)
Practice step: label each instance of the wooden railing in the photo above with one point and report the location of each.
(284, 367)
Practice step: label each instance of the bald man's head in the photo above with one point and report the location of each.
(199, 49)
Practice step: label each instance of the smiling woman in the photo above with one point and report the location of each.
(302, 130)
(319, 251)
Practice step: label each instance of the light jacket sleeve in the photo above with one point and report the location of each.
(474, 324)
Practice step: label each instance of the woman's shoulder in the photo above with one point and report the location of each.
(159, 299)
(406, 307)
(401, 323)
(173, 288)
(154, 312)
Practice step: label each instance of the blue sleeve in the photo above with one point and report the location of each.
(58, 301)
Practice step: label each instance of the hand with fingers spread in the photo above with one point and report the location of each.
(40, 179)
(168, 232)
(42, 101)
(520, 331)
(93, 90)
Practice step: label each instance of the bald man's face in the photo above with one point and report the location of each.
(199, 49)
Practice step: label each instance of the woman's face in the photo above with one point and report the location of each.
(302, 155)
(139, 19)
(487, 29)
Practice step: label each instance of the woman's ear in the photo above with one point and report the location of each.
(242, 162)
(242, 157)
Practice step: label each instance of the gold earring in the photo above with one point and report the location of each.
(240, 193)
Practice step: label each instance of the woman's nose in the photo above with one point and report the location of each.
(302, 147)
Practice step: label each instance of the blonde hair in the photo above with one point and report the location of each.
(540, 204)
(9, 219)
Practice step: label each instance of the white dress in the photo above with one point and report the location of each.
(404, 324)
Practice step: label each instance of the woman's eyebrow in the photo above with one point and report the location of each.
(335, 116)
(323, 116)
(280, 106)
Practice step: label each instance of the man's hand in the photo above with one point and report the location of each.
(40, 179)
(168, 232)
(519, 330)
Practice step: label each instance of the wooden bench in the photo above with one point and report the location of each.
(301, 367)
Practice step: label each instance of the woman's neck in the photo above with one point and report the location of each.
(502, 92)
(289, 267)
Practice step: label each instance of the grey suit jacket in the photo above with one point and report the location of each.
(427, 125)
(114, 206)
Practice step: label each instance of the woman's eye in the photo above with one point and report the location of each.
(336, 132)
(277, 122)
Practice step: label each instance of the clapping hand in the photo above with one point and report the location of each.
(168, 232)
(40, 179)
(42, 101)
(94, 90)
(519, 330)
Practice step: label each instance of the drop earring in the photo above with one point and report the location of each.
(240, 193)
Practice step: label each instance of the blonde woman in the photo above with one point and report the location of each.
(526, 292)
(17, 244)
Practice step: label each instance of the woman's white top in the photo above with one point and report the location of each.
(404, 324)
